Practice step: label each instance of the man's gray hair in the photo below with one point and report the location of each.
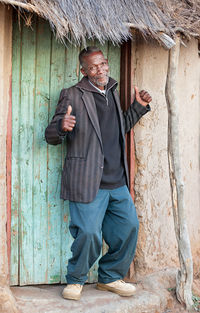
(87, 51)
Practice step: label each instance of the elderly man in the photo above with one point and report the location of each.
(95, 175)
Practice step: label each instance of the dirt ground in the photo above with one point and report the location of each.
(155, 293)
(175, 307)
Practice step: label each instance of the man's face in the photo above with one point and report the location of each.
(96, 68)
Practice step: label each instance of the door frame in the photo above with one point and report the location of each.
(126, 97)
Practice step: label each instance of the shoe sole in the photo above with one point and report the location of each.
(117, 291)
(71, 297)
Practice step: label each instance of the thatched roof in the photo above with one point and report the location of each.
(78, 20)
(184, 15)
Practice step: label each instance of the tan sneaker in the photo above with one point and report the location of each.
(72, 292)
(119, 286)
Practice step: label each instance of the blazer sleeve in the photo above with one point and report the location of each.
(53, 133)
(133, 114)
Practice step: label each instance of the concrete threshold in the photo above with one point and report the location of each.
(152, 296)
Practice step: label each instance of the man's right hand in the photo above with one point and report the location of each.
(68, 121)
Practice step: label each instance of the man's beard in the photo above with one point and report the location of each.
(96, 81)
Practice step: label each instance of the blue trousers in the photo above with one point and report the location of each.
(112, 215)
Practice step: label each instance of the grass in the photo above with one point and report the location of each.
(196, 304)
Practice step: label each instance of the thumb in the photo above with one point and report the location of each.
(69, 110)
(136, 91)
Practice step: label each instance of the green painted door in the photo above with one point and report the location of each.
(40, 238)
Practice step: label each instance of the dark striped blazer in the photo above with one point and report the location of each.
(84, 161)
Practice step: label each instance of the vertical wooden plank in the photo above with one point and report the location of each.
(71, 78)
(9, 170)
(54, 167)
(15, 186)
(104, 48)
(114, 62)
(71, 66)
(40, 211)
(26, 131)
(126, 96)
(132, 143)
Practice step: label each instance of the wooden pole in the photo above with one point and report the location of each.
(126, 97)
(185, 273)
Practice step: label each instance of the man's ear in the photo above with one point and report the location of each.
(83, 71)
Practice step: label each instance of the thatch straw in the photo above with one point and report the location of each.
(110, 19)
(184, 15)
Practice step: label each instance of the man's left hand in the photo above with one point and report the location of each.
(143, 97)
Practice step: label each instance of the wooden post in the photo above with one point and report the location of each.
(185, 274)
(126, 97)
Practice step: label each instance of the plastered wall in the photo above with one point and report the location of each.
(157, 246)
(188, 89)
(5, 79)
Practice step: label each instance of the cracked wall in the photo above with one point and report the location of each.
(157, 246)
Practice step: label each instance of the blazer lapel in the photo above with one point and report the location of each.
(92, 112)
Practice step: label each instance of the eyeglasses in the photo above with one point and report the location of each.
(94, 68)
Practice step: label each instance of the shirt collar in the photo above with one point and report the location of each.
(86, 85)
(101, 91)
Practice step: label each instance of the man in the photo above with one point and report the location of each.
(95, 175)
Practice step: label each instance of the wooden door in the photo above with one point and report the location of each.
(40, 238)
